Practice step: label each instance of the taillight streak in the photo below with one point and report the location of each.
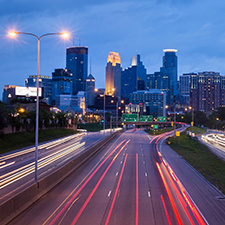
(95, 188)
(167, 215)
(81, 188)
(169, 195)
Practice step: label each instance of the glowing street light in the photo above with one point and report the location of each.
(13, 34)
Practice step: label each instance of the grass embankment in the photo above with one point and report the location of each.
(201, 158)
(23, 139)
(93, 127)
(159, 131)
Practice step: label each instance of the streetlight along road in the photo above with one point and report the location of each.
(13, 34)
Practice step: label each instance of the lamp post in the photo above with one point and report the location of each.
(13, 34)
(217, 119)
(192, 118)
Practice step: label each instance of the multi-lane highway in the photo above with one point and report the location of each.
(17, 168)
(135, 179)
(215, 142)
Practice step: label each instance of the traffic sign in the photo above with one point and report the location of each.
(161, 119)
(178, 133)
(147, 118)
(156, 126)
(192, 124)
(130, 118)
(171, 123)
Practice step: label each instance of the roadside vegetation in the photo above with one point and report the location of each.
(158, 131)
(13, 141)
(201, 158)
(93, 127)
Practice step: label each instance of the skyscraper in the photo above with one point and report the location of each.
(169, 75)
(90, 89)
(133, 78)
(61, 83)
(77, 63)
(113, 75)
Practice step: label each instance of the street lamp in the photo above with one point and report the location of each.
(217, 119)
(13, 34)
(192, 118)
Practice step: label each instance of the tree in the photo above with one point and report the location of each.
(200, 118)
(3, 115)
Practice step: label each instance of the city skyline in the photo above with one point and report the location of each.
(138, 26)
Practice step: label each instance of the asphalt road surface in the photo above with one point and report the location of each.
(128, 182)
(17, 167)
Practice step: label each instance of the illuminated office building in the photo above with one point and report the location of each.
(62, 83)
(77, 63)
(168, 74)
(113, 75)
(90, 90)
(133, 78)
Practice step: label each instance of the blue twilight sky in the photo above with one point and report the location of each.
(194, 27)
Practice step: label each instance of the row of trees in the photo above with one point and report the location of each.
(216, 120)
(19, 118)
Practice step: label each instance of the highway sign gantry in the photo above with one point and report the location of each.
(161, 119)
(146, 118)
(130, 117)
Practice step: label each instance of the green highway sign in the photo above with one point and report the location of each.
(130, 118)
(147, 118)
(156, 127)
(161, 119)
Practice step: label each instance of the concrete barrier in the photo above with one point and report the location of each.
(13, 207)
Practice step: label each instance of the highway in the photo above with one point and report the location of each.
(215, 142)
(134, 179)
(17, 167)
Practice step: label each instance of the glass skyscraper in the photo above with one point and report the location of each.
(134, 77)
(77, 63)
(90, 90)
(169, 75)
(61, 83)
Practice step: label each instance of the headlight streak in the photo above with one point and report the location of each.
(196, 212)
(8, 164)
(218, 139)
(12, 172)
(12, 155)
(42, 163)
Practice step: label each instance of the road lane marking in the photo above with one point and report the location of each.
(109, 193)
(86, 179)
(93, 191)
(146, 174)
(117, 174)
(117, 188)
(137, 190)
(149, 194)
